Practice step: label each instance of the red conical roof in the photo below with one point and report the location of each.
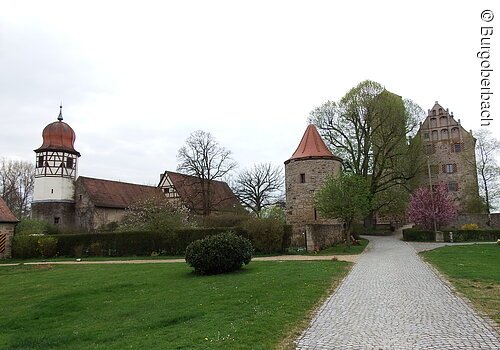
(58, 136)
(312, 146)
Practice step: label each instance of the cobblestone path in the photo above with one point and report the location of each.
(393, 300)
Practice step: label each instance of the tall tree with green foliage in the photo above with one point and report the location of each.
(345, 197)
(370, 129)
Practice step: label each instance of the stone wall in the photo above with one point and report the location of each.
(49, 211)
(303, 177)
(479, 219)
(322, 236)
(8, 230)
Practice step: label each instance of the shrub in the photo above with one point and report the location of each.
(473, 235)
(220, 253)
(416, 235)
(227, 220)
(47, 246)
(25, 246)
(266, 234)
(469, 227)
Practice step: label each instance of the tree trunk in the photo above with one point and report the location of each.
(370, 221)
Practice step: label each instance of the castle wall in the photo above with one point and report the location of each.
(58, 213)
(6, 235)
(303, 177)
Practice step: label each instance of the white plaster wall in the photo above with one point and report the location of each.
(53, 188)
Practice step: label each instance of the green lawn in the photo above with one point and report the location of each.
(475, 271)
(163, 306)
(342, 249)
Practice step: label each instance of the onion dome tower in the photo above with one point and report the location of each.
(55, 174)
(305, 172)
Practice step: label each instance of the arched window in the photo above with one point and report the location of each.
(444, 134)
(433, 122)
(443, 121)
(455, 133)
(434, 135)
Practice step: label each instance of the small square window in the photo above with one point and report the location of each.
(56, 220)
(452, 186)
(457, 147)
(426, 135)
(302, 178)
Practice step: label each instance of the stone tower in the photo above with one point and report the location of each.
(55, 174)
(305, 172)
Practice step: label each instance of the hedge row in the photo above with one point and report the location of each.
(143, 243)
(486, 235)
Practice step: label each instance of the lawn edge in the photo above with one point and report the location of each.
(447, 280)
(288, 342)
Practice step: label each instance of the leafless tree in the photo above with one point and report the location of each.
(17, 180)
(259, 186)
(488, 170)
(204, 158)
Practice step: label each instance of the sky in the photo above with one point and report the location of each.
(136, 78)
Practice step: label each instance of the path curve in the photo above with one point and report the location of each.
(391, 299)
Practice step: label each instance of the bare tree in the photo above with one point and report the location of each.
(488, 170)
(17, 180)
(204, 158)
(259, 186)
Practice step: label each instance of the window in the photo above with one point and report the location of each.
(455, 133)
(434, 169)
(426, 135)
(302, 178)
(433, 121)
(434, 112)
(315, 214)
(444, 134)
(80, 197)
(56, 220)
(457, 147)
(40, 161)
(443, 121)
(52, 190)
(434, 135)
(429, 149)
(69, 163)
(449, 168)
(452, 186)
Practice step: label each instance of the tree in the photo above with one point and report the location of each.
(259, 187)
(154, 213)
(17, 179)
(425, 207)
(204, 158)
(345, 197)
(369, 128)
(488, 170)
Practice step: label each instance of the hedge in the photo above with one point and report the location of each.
(486, 235)
(416, 235)
(140, 243)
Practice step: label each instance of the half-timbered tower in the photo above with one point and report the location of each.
(55, 174)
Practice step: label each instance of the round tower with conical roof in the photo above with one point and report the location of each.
(55, 174)
(306, 172)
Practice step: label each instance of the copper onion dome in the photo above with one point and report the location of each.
(58, 136)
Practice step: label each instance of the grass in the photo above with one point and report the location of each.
(91, 258)
(342, 249)
(474, 271)
(159, 306)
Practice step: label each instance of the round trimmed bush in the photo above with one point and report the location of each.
(220, 253)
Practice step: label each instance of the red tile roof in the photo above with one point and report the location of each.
(115, 194)
(312, 146)
(5, 213)
(190, 191)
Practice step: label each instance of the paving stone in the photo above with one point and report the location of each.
(392, 300)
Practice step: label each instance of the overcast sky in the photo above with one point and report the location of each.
(136, 78)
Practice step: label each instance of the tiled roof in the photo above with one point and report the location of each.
(115, 194)
(5, 213)
(312, 146)
(190, 191)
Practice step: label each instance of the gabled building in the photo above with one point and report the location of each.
(99, 202)
(450, 150)
(88, 204)
(197, 196)
(8, 223)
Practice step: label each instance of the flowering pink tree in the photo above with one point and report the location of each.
(421, 206)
